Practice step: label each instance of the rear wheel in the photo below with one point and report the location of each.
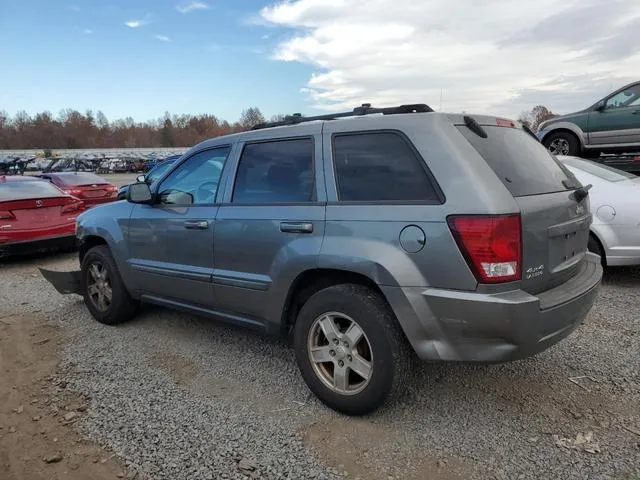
(594, 246)
(562, 143)
(104, 292)
(350, 349)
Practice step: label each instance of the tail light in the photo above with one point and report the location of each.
(76, 206)
(73, 191)
(6, 215)
(492, 245)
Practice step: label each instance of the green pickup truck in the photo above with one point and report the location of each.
(611, 125)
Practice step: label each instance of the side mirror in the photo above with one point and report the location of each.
(139, 193)
(601, 106)
(140, 178)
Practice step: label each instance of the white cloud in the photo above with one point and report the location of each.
(88, 31)
(492, 56)
(186, 7)
(162, 38)
(139, 22)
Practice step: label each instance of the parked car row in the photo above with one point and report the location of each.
(39, 212)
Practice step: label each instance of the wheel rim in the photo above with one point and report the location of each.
(99, 286)
(340, 353)
(559, 146)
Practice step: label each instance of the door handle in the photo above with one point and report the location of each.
(196, 224)
(296, 227)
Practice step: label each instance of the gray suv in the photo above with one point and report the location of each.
(370, 238)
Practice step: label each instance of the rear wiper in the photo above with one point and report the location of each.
(581, 193)
(474, 126)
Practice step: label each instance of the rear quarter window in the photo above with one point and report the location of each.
(381, 167)
(522, 163)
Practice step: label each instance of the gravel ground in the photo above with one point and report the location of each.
(179, 397)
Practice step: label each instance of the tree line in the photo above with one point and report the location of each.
(73, 129)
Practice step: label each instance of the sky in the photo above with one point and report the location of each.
(140, 58)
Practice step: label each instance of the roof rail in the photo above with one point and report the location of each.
(364, 109)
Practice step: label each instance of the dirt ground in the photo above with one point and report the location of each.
(37, 440)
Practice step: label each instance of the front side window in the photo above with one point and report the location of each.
(278, 171)
(627, 98)
(380, 167)
(196, 181)
(158, 171)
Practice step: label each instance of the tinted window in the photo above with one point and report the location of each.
(275, 172)
(16, 190)
(196, 180)
(521, 162)
(380, 167)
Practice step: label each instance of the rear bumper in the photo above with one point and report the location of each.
(38, 245)
(476, 327)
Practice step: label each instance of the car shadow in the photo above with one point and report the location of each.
(622, 276)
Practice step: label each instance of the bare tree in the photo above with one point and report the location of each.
(251, 117)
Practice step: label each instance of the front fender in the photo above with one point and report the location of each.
(565, 125)
(109, 223)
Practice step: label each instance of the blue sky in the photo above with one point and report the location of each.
(80, 54)
(141, 58)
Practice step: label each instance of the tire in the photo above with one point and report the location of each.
(562, 143)
(122, 306)
(382, 344)
(594, 246)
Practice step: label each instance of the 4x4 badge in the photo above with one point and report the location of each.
(580, 210)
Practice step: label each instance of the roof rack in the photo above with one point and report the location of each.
(364, 109)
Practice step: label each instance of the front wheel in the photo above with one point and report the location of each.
(104, 292)
(350, 349)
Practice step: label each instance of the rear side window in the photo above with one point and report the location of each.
(278, 171)
(380, 166)
(522, 163)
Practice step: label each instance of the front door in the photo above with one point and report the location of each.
(619, 122)
(171, 242)
(271, 226)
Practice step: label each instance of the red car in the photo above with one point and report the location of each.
(88, 187)
(35, 215)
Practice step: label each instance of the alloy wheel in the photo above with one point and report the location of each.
(99, 286)
(340, 353)
(559, 146)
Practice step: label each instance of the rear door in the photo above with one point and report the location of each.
(555, 226)
(271, 226)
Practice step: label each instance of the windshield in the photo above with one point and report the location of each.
(604, 172)
(27, 190)
(158, 171)
(521, 162)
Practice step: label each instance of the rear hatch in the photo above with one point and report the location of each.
(554, 208)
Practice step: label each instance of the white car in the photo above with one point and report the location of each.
(615, 204)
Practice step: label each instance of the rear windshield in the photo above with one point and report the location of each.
(604, 172)
(521, 162)
(80, 178)
(27, 190)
